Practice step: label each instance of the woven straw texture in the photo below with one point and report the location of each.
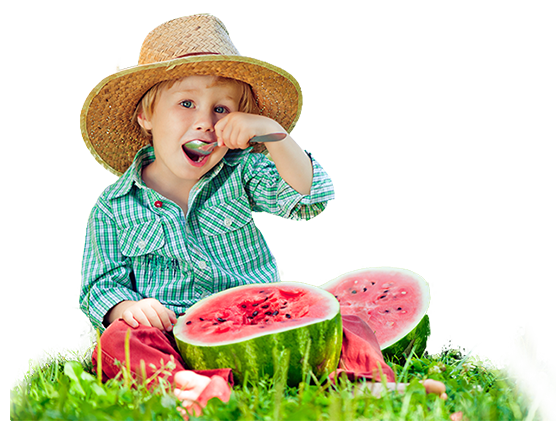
(106, 119)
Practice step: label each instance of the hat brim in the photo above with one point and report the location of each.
(106, 118)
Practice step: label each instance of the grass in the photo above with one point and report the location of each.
(65, 388)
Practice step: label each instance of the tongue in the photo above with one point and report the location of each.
(193, 155)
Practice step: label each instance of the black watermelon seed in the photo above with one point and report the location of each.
(288, 316)
(382, 296)
(201, 319)
(399, 308)
(255, 304)
(364, 289)
(255, 313)
(265, 306)
(386, 291)
(215, 323)
(372, 283)
(275, 313)
(268, 313)
(260, 292)
(220, 319)
(354, 292)
(387, 311)
(188, 323)
(243, 306)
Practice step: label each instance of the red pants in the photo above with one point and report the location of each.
(360, 355)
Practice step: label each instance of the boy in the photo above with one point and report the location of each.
(177, 226)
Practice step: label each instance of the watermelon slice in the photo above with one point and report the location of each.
(245, 328)
(392, 301)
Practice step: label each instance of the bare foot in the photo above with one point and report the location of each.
(457, 416)
(436, 387)
(189, 386)
(431, 386)
(195, 390)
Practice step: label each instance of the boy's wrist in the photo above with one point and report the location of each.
(116, 312)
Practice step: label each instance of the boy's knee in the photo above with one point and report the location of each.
(119, 332)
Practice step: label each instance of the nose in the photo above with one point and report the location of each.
(205, 122)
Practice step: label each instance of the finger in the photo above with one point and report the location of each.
(129, 319)
(186, 395)
(244, 142)
(238, 137)
(219, 128)
(164, 317)
(140, 317)
(153, 316)
(224, 136)
(172, 316)
(186, 380)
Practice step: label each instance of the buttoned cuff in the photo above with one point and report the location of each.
(295, 205)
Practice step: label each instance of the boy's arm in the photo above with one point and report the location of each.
(292, 163)
(106, 276)
(292, 185)
(107, 292)
(269, 192)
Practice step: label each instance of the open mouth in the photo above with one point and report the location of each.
(195, 158)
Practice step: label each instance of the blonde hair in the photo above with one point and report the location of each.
(247, 102)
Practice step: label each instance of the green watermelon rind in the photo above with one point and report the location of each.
(415, 341)
(244, 357)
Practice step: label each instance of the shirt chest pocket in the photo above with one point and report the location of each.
(141, 239)
(229, 233)
(225, 217)
(157, 275)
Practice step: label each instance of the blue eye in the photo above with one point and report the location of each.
(187, 104)
(220, 110)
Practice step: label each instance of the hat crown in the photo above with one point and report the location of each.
(186, 36)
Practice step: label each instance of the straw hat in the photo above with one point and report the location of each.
(192, 45)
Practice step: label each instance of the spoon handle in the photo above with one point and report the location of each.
(272, 137)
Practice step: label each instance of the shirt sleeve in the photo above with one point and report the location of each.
(268, 192)
(105, 274)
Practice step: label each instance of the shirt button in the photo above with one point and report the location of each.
(158, 204)
(228, 222)
(141, 244)
(205, 294)
(202, 265)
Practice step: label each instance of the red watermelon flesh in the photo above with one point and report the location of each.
(392, 301)
(258, 310)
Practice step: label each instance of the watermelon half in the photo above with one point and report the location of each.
(247, 328)
(392, 301)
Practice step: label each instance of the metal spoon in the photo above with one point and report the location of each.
(201, 148)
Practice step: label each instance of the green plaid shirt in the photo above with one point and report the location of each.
(140, 244)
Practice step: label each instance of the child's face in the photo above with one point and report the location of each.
(184, 112)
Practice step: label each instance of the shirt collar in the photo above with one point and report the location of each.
(145, 156)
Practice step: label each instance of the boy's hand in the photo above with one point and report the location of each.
(237, 128)
(147, 312)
